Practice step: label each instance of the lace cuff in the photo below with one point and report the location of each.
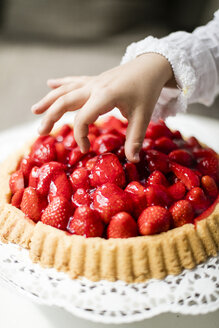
(171, 101)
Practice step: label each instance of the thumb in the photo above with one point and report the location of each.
(135, 134)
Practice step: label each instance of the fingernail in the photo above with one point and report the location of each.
(136, 157)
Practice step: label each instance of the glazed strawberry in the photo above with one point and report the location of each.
(182, 213)
(156, 130)
(69, 141)
(198, 200)
(94, 129)
(16, 181)
(32, 204)
(107, 143)
(81, 197)
(60, 186)
(157, 161)
(80, 178)
(86, 222)
(158, 195)
(63, 132)
(148, 144)
(207, 212)
(209, 186)
(187, 176)
(177, 190)
(26, 166)
(75, 155)
(83, 161)
(61, 152)
(153, 220)
(44, 153)
(204, 152)
(176, 135)
(157, 177)
(91, 162)
(137, 194)
(165, 145)
(131, 172)
(113, 123)
(182, 157)
(33, 177)
(209, 166)
(107, 169)
(122, 225)
(57, 213)
(92, 137)
(120, 153)
(46, 174)
(109, 199)
(42, 140)
(17, 198)
(192, 142)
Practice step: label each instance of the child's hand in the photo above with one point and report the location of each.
(133, 87)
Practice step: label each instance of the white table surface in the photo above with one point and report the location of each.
(17, 311)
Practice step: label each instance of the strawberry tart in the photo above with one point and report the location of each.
(99, 216)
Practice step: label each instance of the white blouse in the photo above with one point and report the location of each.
(194, 58)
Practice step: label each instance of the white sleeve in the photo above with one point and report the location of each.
(194, 58)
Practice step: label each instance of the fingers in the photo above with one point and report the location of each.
(55, 83)
(87, 115)
(52, 96)
(135, 134)
(69, 102)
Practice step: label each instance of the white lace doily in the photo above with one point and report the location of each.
(192, 292)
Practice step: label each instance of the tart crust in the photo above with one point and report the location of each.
(132, 260)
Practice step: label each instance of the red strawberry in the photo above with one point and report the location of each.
(158, 195)
(81, 197)
(109, 199)
(33, 177)
(26, 166)
(57, 213)
(157, 177)
(17, 198)
(204, 152)
(94, 129)
(207, 212)
(91, 162)
(61, 152)
(192, 142)
(187, 176)
(131, 172)
(107, 143)
(177, 190)
(60, 186)
(113, 123)
(75, 156)
(198, 200)
(120, 153)
(209, 166)
(209, 186)
(46, 174)
(69, 141)
(153, 220)
(41, 141)
(85, 159)
(156, 130)
(92, 137)
(182, 157)
(176, 135)
(137, 194)
(63, 132)
(86, 222)
(32, 204)
(80, 178)
(16, 181)
(165, 145)
(182, 213)
(122, 225)
(44, 153)
(148, 144)
(157, 161)
(107, 169)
